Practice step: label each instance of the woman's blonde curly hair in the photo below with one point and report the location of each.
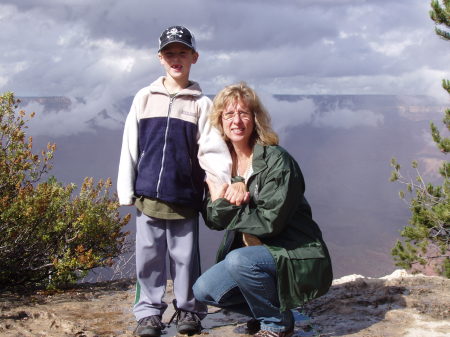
(241, 92)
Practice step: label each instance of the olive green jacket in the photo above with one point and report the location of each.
(279, 215)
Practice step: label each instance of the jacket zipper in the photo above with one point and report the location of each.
(164, 147)
(140, 160)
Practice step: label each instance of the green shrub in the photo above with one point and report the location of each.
(48, 235)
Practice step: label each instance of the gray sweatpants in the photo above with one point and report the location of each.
(154, 239)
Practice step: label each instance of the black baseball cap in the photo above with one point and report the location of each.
(176, 34)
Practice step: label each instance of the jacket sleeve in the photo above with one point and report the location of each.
(128, 157)
(271, 206)
(213, 154)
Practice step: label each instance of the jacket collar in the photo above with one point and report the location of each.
(259, 155)
(158, 87)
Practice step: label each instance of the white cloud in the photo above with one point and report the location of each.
(286, 114)
(106, 50)
(393, 45)
(346, 118)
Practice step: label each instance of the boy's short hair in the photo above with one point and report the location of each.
(177, 34)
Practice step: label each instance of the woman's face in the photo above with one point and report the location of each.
(238, 123)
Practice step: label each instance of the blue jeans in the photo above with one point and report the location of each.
(245, 282)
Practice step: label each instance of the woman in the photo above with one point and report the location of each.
(272, 257)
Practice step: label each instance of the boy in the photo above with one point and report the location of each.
(159, 172)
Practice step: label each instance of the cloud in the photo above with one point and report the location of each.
(347, 118)
(78, 117)
(286, 114)
(105, 51)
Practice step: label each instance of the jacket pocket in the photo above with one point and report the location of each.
(303, 273)
(311, 251)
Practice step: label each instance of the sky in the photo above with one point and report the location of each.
(105, 50)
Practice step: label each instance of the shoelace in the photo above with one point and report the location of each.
(176, 313)
(153, 322)
(181, 315)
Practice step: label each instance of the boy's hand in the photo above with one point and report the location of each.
(237, 194)
(216, 192)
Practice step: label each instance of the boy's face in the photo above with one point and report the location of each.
(177, 59)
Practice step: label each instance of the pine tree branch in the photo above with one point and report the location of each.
(441, 16)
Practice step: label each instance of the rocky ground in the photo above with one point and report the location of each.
(397, 305)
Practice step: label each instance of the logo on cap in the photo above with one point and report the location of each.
(174, 32)
(177, 34)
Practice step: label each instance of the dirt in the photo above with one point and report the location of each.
(397, 305)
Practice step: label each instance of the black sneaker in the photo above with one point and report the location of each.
(188, 323)
(150, 326)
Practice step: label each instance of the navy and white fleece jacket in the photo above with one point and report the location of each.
(166, 143)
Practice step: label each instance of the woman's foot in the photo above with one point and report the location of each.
(253, 326)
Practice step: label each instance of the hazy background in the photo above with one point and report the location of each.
(346, 168)
(355, 83)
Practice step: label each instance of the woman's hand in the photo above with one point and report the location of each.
(237, 194)
(215, 191)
